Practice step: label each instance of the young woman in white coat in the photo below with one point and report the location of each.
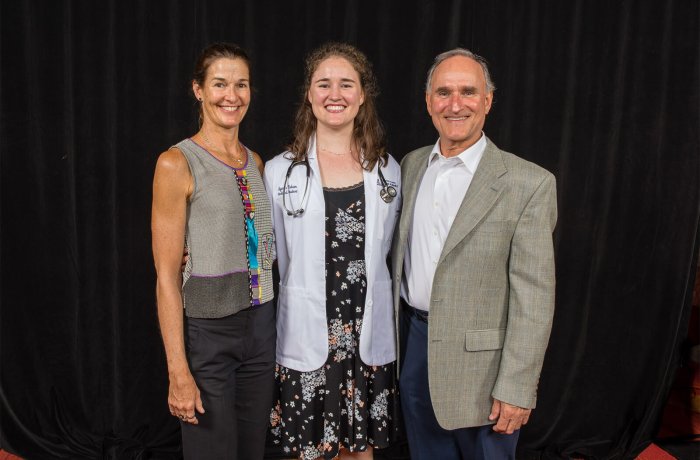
(335, 199)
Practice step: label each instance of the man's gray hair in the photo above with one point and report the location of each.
(460, 52)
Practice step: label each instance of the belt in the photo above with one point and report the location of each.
(421, 315)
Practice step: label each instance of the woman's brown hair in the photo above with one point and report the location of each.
(368, 131)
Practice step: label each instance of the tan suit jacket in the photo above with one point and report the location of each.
(492, 299)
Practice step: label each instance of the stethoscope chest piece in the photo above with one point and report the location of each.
(387, 193)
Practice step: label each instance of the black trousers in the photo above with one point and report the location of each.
(427, 440)
(232, 360)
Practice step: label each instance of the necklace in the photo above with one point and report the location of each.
(335, 153)
(206, 141)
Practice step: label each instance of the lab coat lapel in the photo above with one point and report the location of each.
(313, 161)
(373, 220)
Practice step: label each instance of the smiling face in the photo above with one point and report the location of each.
(458, 101)
(335, 93)
(225, 93)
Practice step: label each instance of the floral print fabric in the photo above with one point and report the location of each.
(345, 403)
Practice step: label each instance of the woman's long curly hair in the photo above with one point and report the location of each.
(368, 131)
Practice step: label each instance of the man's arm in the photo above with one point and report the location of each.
(530, 310)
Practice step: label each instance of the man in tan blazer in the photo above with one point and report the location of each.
(473, 276)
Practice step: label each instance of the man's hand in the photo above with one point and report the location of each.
(510, 418)
(184, 398)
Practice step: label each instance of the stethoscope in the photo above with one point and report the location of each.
(387, 193)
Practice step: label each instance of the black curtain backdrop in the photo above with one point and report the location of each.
(605, 94)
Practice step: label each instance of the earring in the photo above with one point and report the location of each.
(199, 99)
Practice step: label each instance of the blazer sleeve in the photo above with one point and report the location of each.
(531, 298)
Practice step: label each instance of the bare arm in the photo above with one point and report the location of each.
(172, 185)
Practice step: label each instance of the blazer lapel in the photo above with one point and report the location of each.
(482, 194)
(410, 184)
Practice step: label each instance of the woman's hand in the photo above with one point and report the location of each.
(184, 398)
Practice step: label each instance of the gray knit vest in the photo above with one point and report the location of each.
(219, 280)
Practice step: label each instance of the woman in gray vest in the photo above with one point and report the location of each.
(208, 197)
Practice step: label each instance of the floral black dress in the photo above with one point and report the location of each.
(345, 403)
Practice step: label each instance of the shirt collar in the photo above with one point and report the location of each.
(470, 157)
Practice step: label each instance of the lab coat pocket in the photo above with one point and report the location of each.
(378, 342)
(383, 334)
(302, 333)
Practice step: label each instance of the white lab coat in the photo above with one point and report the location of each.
(302, 329)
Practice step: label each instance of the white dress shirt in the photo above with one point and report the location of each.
(439, 197)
